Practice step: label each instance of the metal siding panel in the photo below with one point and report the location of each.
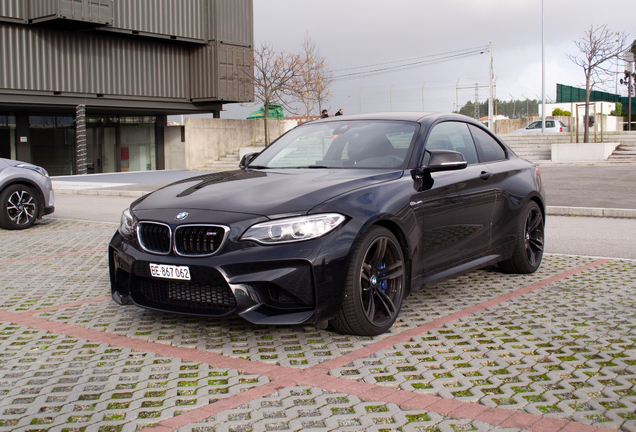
(180, 18)
(233, 22)
(202, 72)
(43, 60)
(42, 8)
(12, 10)
(233, 84)
(87, 10)
(39, 60)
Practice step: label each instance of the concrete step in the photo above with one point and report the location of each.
(230, 158)
(622, 157)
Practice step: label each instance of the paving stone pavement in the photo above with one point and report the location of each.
(304, 407)
(555, 350)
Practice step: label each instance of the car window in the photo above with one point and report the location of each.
(453, 136)
(347, 144)
(534, 125)
(549, 123)
(488, 148)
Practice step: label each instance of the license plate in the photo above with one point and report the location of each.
(170, 271)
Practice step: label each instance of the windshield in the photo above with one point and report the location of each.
(348, 144)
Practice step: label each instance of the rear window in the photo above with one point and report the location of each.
(488, 148)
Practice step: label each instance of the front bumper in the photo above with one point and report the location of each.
(280, 284)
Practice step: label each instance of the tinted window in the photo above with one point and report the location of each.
(453, 136)
(489, 149)
(349, 144)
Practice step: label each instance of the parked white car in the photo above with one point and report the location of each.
(551, 126)
(26, 194)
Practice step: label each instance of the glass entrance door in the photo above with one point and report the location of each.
(101, 145)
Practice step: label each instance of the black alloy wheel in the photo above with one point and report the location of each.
(20, 207)
(375, 285)
(529, 246)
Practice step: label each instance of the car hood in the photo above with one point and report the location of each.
(263, 193)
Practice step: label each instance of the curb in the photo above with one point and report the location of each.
(591, 212)
(101, 192)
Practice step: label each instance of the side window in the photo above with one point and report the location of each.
(549, 123)
(453, 136)
(489, 149)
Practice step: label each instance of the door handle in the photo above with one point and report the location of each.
(485, 175)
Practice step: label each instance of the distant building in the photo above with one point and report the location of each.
(131, 63)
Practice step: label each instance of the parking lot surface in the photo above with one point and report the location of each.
(555, 350)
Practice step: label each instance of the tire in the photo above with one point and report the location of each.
(375, 284)
(19, 207)
(528, 252)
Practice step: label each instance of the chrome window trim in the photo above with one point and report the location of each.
(226, 234)
(149, 250)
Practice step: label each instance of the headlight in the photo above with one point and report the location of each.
(127, 225)
(293, 229)
(35, 168)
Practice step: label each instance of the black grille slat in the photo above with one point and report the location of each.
(198, 240)
(210, 297)
(154, 237)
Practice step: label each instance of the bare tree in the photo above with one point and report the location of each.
(312, 85)
(598, 47)
(273, 76)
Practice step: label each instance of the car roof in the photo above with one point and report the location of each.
(421, 117)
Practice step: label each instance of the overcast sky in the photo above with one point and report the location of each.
(354, 33)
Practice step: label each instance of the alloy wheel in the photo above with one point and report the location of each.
(534, 236)
(21, 207)
(382, 281)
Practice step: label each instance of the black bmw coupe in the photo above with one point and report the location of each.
(333, 224)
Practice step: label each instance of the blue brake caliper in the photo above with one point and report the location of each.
(384, 284)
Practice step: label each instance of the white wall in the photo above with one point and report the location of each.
(208, 139)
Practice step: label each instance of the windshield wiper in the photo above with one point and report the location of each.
(258, 166)
(312, 166)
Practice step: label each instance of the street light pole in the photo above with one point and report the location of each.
(542, 70)
(490, 114)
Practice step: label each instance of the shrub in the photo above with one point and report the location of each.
(618, 112)
(557, 112)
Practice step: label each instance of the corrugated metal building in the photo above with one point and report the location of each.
(130, 62)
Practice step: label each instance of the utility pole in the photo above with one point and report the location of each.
(423, 95)
(617, 54)
(456, 98)
(514, 105)
(491, 119)
(476, 101)
(527, 109)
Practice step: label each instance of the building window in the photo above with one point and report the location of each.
(7, 137)
(53, 143)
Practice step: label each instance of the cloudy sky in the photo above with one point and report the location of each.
(356, 33)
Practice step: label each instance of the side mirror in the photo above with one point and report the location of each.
(445, 160)
(245, 160)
